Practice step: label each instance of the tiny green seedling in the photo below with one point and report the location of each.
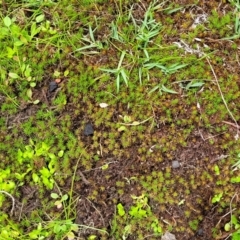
(234, 224)
(140, 210)
(156, 226)
(6, 185)
(181, 202)
(121, 211)
(59, 199)
(30, 154)
(235, 179)
(217, 198)
(92, 237)
(130, 179)
(29, 94)
(217, 170)
(105, 167)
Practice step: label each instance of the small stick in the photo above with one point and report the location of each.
(232, 124)
(13, 201)
(83, 178)
(230, 212)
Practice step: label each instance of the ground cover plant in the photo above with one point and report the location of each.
(119, 119)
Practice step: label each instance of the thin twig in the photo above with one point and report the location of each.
(223, 99)
(232, 124)
(13, 201)
(230, 212)
(20, 214)
(83, 178)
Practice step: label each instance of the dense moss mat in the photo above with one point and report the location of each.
(119, 119)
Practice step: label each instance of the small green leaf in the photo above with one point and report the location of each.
(235, 179)
(227, 227)
(181, 202)
(34, 234)
(74, 227)
(27, 72)
(40, 18)
(56, 73)
(105, 167)
(34, 29)
(121, 129)
(169, 11)
(18, 43)
(168, 90)
(92, 237)
(23, 40)
(52, 155)
(217, 198)
(13, 75)
(36, 102)
(194, 85)
(127, 119)
(154, 89)
(39, 227)
(35, 177)
(60, 153)
(29, 93)
(235, 221)
(32, 84)
(66, 72)
(54, 195)
(121, 211)
(217, 170)
(31, 142)
(45, 172)
(64, 197)
(7, 21)
(71, 236)
(59, 204)
(4, 31)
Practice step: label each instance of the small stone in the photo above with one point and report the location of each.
(168, 236)
(175, 164)
(200, 232)
(52, 86)
(88, 130)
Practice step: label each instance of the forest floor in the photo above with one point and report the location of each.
(119, 119)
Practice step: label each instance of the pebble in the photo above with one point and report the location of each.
(52, 86)
(200, 232)
(175, 164)
(88, 129)
(168, 236)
